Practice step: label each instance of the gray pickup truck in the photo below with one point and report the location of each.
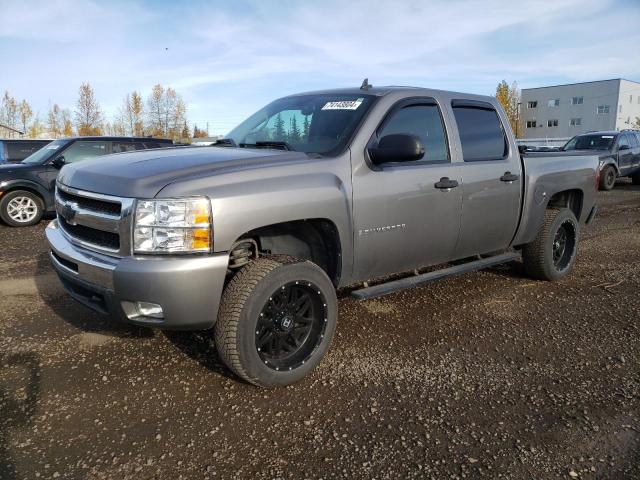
(314, 192)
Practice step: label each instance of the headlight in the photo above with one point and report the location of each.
(172, 226)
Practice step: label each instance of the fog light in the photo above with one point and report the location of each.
(135, 310)
(146, 309)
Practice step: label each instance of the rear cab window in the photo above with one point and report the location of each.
(481, 132)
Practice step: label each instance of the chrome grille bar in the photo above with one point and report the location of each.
(82, 219)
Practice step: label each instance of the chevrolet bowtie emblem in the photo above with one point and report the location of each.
(68, 212)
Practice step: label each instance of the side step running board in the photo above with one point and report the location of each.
(417, 280)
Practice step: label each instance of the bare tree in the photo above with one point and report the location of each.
(54, 121)
(166, 112)
(24, 114)
(67, 124)
(88, 115)
(9, 111)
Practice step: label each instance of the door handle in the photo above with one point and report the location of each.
(446, 183)
(508, 177)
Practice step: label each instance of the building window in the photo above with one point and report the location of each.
(554, 102)
(577, 100)
(531, 124)
(603, 108)
(532, 104)
(552, 123)
(575, 122)
(630, 98)
(620, 109)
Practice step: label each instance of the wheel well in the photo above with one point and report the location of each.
(316, 240)
(568, 199)
(27, 189)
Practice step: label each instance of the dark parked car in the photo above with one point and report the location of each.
(27, 188)
(13, 150)
(619, 154)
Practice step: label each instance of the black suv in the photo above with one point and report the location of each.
(16, 150)
(27, 188)
(619, 154)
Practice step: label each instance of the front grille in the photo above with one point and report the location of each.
(95, 221)
(93, 204)
(108, 240)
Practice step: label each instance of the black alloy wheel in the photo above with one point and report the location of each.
(291, 325)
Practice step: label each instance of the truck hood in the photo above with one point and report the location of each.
(143, 174)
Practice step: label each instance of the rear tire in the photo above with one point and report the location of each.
(21, 208)
(635, 178)
(607, 178)
(276, 320)
(553, 252)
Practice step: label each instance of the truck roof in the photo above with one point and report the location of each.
(384, 90)
(113, 137)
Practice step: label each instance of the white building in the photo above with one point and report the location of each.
(562, 111)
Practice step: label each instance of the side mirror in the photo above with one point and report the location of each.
(58, 162)
(623, 147)
(397, 147)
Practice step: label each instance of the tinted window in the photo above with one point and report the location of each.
(81, 150)
(623, 140)
(633, 140)
(590, 142)
(127, 146)
(424, 122)
(481, 134)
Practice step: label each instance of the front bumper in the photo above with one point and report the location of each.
(188, 288)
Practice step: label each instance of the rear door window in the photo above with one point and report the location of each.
(481, 134)
(84, 149)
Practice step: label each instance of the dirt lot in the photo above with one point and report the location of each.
(490, 375)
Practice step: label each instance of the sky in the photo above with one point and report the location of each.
(229, 58)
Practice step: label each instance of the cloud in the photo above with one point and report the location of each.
(229, 58)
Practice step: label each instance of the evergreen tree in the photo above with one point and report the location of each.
(305, 127)
(279, 132)
(294, 131)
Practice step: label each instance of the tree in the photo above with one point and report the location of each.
(509, 98)
(54, 121)
(24, 114)
(88, 114)
(294, 131)
(637, 124)
(130, 117)
(185, 135)
(279, 132)
(197, 133)
(67, 125)
(305, 127)
(35, 129)
(9, 111)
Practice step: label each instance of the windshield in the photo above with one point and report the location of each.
(590, 142)
(321, 123)
(45, 153)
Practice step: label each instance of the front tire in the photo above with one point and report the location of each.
(553, 252)
(276, 320)
(635, 178)
(21, 208)
(607, 178)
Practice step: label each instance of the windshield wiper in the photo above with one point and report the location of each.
(268, 144)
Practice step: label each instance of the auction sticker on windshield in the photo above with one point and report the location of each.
(343, 105)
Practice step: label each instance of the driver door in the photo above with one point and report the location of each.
(402, 220)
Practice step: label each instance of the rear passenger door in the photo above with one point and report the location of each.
(625, 151)
(491, 180)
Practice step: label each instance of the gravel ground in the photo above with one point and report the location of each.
(489, 375)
